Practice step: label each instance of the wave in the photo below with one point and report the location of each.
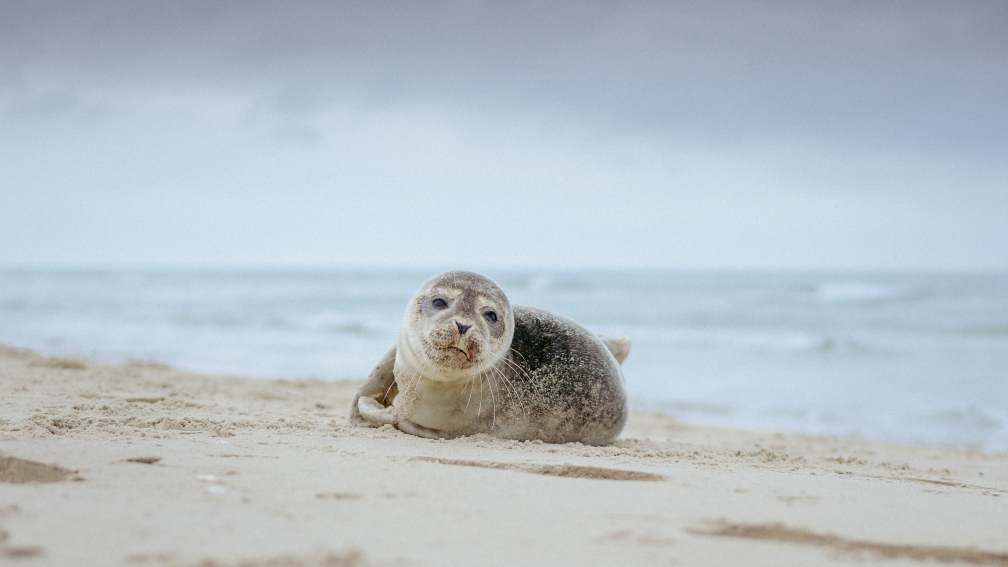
(866, 293)
(972, 427)
(683, 408)
(323, 323)
(970, 417)
(755, 341)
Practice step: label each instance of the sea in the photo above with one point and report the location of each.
(904, 356)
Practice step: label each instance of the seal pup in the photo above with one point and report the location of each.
(469, 362)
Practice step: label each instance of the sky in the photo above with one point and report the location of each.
(686, 135)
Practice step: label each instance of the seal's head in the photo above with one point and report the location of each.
(457, 325)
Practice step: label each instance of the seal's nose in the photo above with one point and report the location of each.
(462, 328)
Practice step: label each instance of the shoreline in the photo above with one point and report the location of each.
(180, 468)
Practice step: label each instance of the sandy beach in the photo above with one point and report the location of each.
(142, 464)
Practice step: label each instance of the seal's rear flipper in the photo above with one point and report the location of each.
(619, 348)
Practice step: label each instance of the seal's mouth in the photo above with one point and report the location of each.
(459, 351)
(458, 356)
(454, 355)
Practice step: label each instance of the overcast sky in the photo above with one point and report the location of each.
(474, 134)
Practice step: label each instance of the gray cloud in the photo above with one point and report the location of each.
(926, 75)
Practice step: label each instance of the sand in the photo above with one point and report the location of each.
(146, 465)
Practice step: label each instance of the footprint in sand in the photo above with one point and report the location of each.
(15, 470)
(565, 470)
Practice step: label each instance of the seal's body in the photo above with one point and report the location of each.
(468, 362)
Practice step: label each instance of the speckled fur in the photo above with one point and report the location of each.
(553, 380)
(570, 384)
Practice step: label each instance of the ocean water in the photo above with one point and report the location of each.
(910, 357)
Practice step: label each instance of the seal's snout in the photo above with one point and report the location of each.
(442, 337)
(456, 343)
(472, 349)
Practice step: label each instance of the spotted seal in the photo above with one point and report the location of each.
(469, 362)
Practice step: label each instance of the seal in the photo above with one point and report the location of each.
(469, 362)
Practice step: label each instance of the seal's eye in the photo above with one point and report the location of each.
(439, 304)
(490, 316)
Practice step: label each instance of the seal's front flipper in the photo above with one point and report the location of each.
(619, 348)
(379, 388)
(374, 413)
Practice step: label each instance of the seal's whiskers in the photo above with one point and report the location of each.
(513, 391)
(471, 388)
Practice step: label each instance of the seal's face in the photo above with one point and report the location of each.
(456, 326)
